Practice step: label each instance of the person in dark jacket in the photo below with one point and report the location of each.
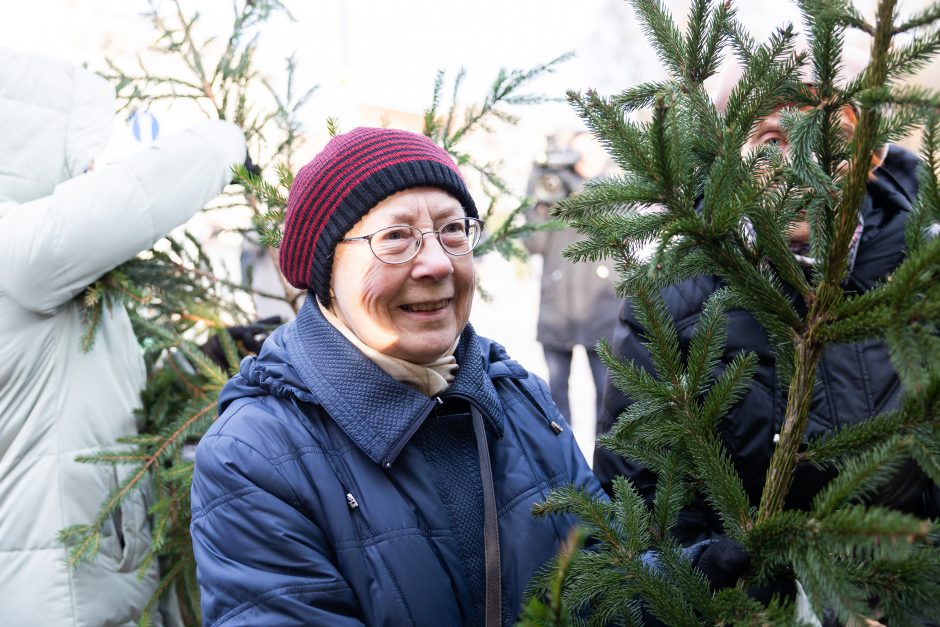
(577, 306)
(377, 463)
(854, 381)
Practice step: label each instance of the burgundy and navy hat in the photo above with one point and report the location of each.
(353, 173)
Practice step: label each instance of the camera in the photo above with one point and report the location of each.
(551, 176)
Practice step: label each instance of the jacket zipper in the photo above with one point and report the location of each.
(403, 440)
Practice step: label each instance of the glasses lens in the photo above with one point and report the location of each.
(396, 244)
(459, 237)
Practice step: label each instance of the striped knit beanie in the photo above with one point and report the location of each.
(352, 174)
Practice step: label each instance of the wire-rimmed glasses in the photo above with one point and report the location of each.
(400, 243)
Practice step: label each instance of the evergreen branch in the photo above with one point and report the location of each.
(669, 157)
(927, 456)
(762, 84)
(835, 13)
(615, 195)
(849, 439)
(829, 582)
(662, 32)
(860, 476)
(640, 96)
(624, 140)
(632, 516)
(717, 37)
(723, 487)
(111, 457)
(168, 579)
(503, 90)
(742, 42)
(226, 282)
(673, 492)
(595, 514)
(925, 211)
(780, 472)
(553, 611)
(728, 389)
(804, 132)
(659, 590)
(927, 17)
(432, 124)
(769, 540)
(708, 342)
(660, 335)
(734, 607)
(89, 535)
(869, 532)
(904, 61)
(907, 588)
(771, 219)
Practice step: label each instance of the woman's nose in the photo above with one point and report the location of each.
(431, 260)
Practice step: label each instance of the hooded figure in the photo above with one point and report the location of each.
(62, 228)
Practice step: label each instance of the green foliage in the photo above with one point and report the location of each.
(449, 126)
(687, 193)
(553, 612)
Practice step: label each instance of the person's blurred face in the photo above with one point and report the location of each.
(594, 160)
(415, 310)
(769, 131)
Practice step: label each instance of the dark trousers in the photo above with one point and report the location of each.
(559, 370)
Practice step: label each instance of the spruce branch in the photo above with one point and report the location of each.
(663, 34)
(928, 17)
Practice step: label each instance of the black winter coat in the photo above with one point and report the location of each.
(854, 381)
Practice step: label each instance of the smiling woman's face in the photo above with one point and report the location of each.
(415, 310)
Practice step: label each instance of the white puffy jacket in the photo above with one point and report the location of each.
(60, 230)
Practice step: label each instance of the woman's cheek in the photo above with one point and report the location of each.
(375, 292)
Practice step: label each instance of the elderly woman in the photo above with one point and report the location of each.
(377, 463)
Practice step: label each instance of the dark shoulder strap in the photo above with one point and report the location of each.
(493, 610)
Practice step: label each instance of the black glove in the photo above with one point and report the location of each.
(253, 169)
(725, 561)
(248, 339)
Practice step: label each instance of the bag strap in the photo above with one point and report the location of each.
(493, 609)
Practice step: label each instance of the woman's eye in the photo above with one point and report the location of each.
(396, 234)
(772, 140)
(452, 228)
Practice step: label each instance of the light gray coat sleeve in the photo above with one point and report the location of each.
(53, 247)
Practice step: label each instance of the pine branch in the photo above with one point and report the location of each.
(663, 34)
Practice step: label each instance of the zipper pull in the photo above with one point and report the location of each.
(351, 501)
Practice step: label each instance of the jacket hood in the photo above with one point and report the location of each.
(55, 118)
(308, 360)
(270, 372)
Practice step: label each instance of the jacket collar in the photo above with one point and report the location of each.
(378, 413)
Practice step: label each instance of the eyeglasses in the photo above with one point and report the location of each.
(400, 243)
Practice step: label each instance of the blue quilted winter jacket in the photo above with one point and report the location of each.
(316, 502)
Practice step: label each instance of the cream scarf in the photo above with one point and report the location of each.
(431, 379)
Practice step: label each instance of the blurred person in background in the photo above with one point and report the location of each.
(62, 227)
(577, 306)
